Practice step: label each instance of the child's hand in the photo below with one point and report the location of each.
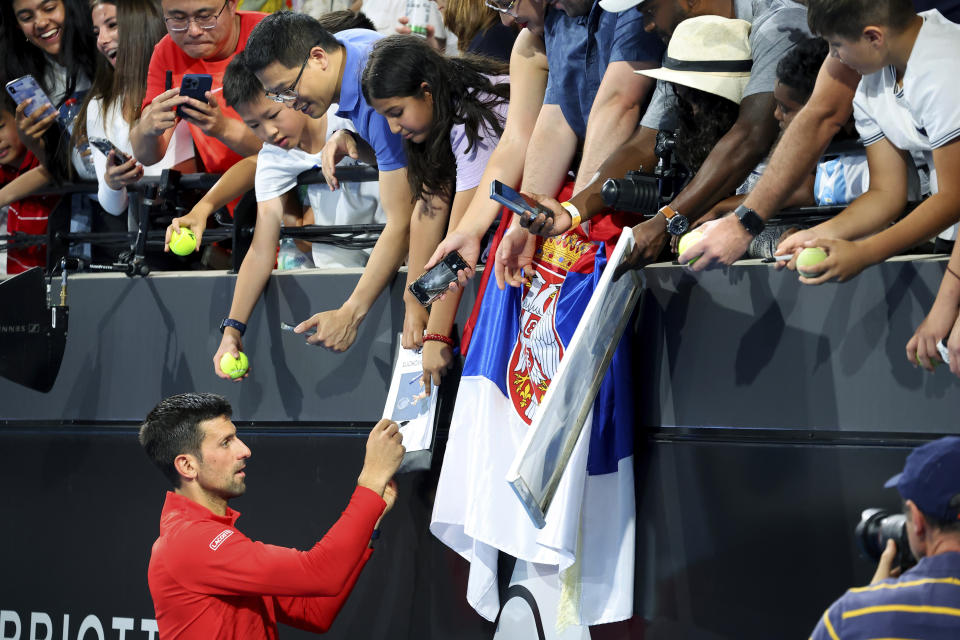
(196, 221)
(845, 260)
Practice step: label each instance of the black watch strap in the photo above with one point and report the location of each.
(236, 324)
(750, 220)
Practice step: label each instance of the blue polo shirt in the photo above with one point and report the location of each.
(371, 126)
(922, 603)
(580, 49)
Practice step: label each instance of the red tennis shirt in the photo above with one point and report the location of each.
(208, 580)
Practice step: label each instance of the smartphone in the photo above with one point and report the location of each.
(105, 146)
(194, 85)
(25, 88)
(435, 282)
(514, 201)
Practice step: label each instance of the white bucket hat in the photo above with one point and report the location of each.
(708, 53)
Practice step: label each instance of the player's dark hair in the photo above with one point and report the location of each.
(848, 18)
(702, 119)
(799, 67)
(286, 37)
(173, 428)
(462, 91)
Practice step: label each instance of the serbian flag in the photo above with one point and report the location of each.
(516, 347)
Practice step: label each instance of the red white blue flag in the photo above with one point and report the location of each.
(516, 346)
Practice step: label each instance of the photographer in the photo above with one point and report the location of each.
(925, 601)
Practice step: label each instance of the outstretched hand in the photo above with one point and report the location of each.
(467, 246)
(650, 237)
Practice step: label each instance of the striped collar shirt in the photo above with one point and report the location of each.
(922, 603)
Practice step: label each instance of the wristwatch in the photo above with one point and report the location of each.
(752, 222)
(677, 224)
(236, 324)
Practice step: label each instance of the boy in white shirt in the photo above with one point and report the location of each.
(292, 144)
(905, 103)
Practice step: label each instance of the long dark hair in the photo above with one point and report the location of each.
(463, 93)
(140, 28)
(702, 119)
(77, 53)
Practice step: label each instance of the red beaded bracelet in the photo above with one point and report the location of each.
(438, 338)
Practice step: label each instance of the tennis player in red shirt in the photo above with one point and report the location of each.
(207, 579)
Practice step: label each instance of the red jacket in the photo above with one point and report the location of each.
(208, 580)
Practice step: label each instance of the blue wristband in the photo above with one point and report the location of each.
(236, 324)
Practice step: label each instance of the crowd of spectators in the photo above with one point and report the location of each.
(445, 98)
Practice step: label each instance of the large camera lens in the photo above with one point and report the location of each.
(879, 525)
(636, 192)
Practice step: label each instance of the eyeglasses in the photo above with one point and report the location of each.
(179, 25)
(289, 95)
(501, 8)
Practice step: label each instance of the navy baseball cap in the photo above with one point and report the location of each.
(931, 478)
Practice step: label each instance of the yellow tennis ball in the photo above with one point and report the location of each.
(184, 242)
(809, 257)
(234, 367)
(688, 240)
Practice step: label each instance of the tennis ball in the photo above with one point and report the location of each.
(809, 257)
(688, 240)
(234, 367)
(184, 242)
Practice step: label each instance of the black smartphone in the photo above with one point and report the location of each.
(194, 85)
(513, 200)
(105, 147)
(26, 87)
(435, 282)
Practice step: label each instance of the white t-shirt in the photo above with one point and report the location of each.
(385, 13)
(114, 128)
(922, 115)
(352, 203)
(470, 164)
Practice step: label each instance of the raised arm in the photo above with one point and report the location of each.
(254, 273)
(528, 83)
(795, 157)
(337, 329)
(237, 180)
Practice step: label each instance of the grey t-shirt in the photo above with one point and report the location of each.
(777, 26)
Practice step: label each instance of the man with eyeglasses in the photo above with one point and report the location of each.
(305, 67)
(203, 36)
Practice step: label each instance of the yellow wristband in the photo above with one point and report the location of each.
(574, 213)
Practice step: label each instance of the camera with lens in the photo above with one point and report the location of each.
(642, 192)
(879, 525)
